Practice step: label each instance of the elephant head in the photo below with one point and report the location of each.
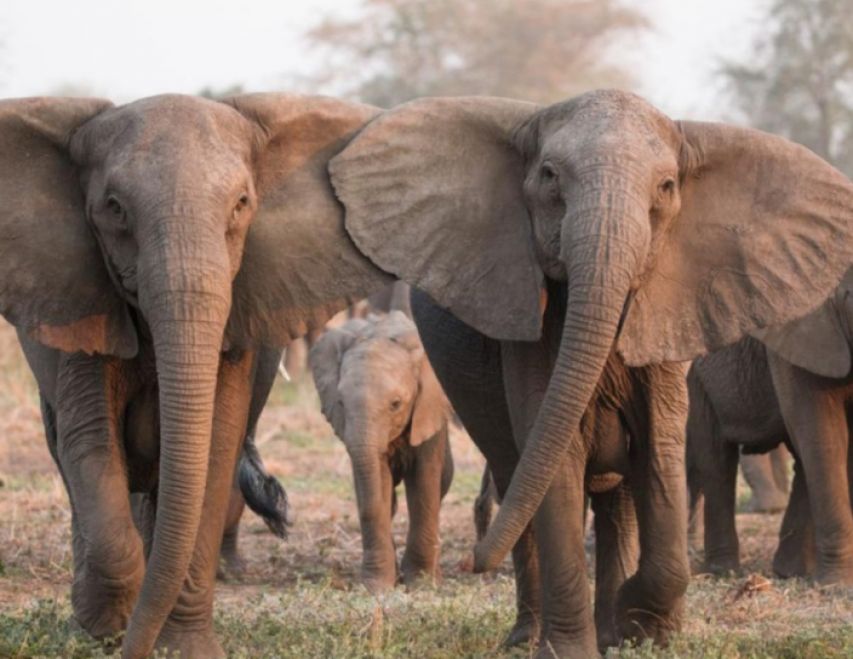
(204, 223)
(675, 238)
(378, 391)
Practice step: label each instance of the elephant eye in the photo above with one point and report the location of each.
(548, 173)
(114, 206)
(242, 202)
(395, 404)
(668, 185)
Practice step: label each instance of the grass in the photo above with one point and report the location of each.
(301, 598)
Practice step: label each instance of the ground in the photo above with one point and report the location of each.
(300, 597)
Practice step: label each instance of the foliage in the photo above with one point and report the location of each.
(798, 80)
(538, 50)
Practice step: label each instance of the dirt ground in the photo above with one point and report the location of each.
(300, 597)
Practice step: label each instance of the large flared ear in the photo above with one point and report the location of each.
(818, 342)
(325, 359)
(54, 284)
(765, 233)
(433, 194)
(431, 408)
(299, 265)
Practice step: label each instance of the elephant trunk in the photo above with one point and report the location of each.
(185, 293)
(373, 486)
(600, 241)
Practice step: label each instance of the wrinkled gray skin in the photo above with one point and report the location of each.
(799, 388)
(672, 238)
(495, 404)
(125, 242)
(378, 391)
(734, 408)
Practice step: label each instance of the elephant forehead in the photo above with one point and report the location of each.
(168, 127)
(378, 358)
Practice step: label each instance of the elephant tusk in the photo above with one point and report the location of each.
(282, 368)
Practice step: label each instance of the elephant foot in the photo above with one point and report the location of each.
(790, 564)
(378, 584)
(421, 578)
(835, 576)
(188, 644)
(103, 606)
(561, 649)
(419, 572)
(232, 567)
(721, 565)
(637, 620)
(524, 632)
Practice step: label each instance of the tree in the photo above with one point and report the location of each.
(799, 82)
(539, 50)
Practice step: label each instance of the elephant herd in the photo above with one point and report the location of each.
(567, 262)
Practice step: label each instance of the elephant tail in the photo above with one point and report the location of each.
(262, 491)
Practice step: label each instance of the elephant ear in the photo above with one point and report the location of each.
(819, 342)
(54, 285)
(433, 194)
(431, 406)
(763, 237)
(299, 265)
(324, 359)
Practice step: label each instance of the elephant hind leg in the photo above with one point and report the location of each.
(795, 555)
(816, 418)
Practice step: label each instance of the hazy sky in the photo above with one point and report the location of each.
(126, 49)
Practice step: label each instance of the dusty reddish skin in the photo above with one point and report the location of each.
(709, 231)
(126, 231)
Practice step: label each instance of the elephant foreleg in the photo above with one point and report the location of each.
(108, 553)
(424, 493)
(233, 564)
(189, 628)
(616, 553)
(650, 602)
(719, 484)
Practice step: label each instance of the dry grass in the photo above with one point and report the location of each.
(300, 599)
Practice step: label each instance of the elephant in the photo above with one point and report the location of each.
(253, 485)
(155, 246)
(669, 239)
(381, 397)
(734, 409)
(768, 479)
(792, 383)
(390, 298)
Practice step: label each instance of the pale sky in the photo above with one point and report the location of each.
(126, 49)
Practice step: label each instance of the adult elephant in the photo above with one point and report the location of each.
(733, 407)
(125, 243)
(672, 238)
(795, 386)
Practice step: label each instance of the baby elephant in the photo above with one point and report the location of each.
(382, 398)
